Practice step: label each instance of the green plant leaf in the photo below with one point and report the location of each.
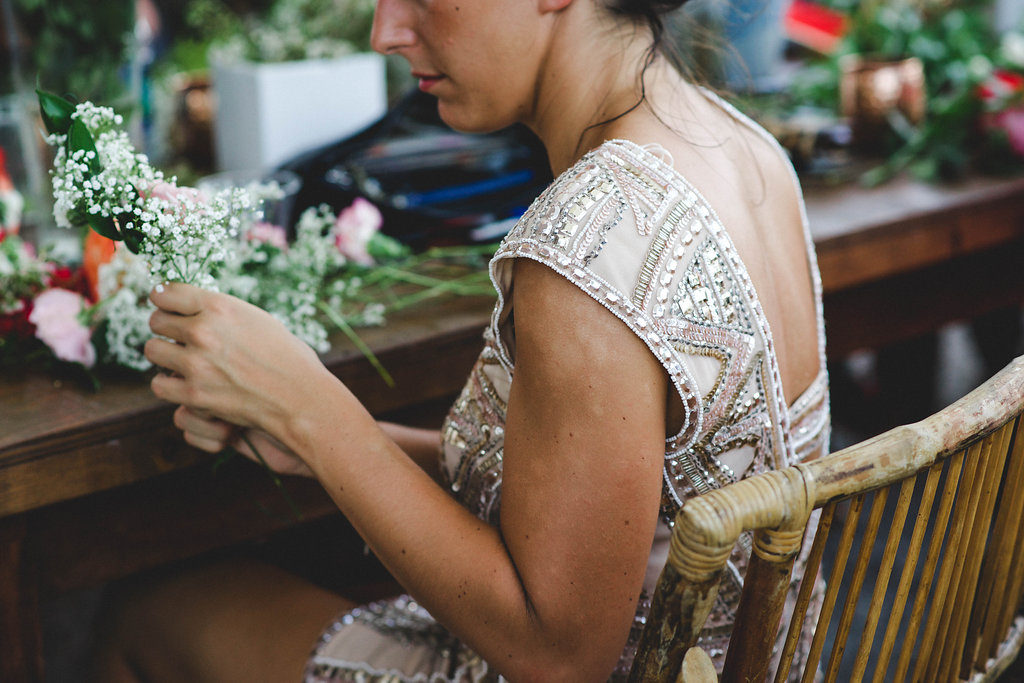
(80, 139)
(104, 226)
(56, 112)
(381, 247)
(132, 239)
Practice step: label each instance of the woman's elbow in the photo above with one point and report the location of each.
(561, 665)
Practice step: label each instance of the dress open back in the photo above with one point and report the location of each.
(630, 231)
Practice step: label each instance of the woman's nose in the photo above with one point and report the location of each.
(392, 27)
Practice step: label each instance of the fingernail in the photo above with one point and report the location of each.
(159, 289)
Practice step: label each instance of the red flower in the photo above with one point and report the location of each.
(16, 325)
(1003, 96)
(1003, 84)
(65, 277)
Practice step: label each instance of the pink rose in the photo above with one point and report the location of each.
(55, 315)
(354, 228)
(268, 233)
(1011, 121)
(177, 195)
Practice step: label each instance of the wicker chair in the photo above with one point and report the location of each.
(958, 577)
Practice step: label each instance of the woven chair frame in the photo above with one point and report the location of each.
(944, 599)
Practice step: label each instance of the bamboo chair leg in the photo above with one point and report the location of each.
(757, 620)
(683, 599)
(673, 630)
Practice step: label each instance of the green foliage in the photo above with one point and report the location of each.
(958, 49)
(293, 29)
(76, 45)
(56, 112)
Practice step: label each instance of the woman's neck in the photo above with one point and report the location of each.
(591, 74)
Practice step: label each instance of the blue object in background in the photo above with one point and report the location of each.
(756, 40)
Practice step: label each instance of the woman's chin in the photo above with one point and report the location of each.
(468, 120)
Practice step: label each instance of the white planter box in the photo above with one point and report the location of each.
(268, 113)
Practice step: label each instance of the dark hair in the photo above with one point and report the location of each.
(652, 13)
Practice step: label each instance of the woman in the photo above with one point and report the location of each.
(655, 337)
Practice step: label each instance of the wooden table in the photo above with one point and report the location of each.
(95, 487)
(906, 258)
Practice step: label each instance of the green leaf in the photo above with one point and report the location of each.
(381, 247)
(80, 139)
(104, 226)
(56, 112)
(132, 239)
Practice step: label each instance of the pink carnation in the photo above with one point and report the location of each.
(268, 233)
(55, 315)
(354, 228)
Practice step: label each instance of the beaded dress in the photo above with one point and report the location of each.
(626, 228)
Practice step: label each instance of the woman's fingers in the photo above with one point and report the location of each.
(171, 389)
(179, 298)
(170, 325)
(202, 431)
(204, 444)
(167, 355)
(204, 426)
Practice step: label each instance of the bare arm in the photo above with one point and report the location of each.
(213, 435)
(421, 445)
(549, 594)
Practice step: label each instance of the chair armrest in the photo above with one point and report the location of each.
(697, 668)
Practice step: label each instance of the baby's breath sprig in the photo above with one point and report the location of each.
(100, 181)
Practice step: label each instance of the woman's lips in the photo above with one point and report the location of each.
(427, 81)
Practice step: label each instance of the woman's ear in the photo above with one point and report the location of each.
(553, 5)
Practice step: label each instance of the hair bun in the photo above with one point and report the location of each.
(644, 9)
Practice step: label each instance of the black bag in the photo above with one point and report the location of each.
(432, 184)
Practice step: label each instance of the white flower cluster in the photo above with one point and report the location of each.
(181, 233)
(124, 285)
(21, 273)
(217, 241)
(290, 280)
(77, 191)
(186, 235)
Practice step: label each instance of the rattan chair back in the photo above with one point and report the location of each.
(925, 518)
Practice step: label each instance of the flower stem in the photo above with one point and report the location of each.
(293, 508)
(343, 325)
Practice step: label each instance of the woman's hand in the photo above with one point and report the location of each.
(213, 436)
(230, 360)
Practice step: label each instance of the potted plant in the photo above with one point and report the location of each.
(930, 50)
(300, 77)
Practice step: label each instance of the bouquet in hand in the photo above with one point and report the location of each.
(339, 272)
(99, 180)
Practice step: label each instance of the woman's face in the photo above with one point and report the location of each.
(480, 58)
